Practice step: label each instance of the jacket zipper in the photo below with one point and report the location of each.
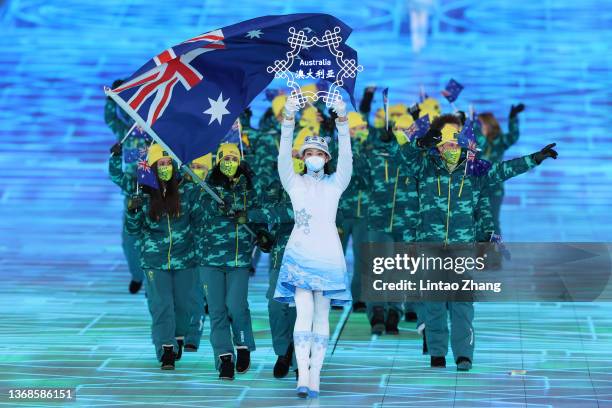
(393, 203)
(236, 258)
(170, 246)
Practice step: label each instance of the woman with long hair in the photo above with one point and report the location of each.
(167, 222)
(494, 144)
(313, 272)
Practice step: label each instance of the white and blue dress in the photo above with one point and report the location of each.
(313, 257)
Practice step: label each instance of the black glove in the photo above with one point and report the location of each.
(386, 135)
(225, 209)
(366, 102)
(545, 153)
(117, 149)
(516, 109)
(135, 202)
(265, 241)
(241, 217)
(414, 111)
(431, 138)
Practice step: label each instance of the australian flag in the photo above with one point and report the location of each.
(144, 174)
(452, 90)
(466, 137)
(191, 94)
(497, 239)
(418, 128)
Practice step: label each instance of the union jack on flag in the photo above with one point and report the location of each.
(144, 174)
(466, 137)
(169, 70)
(418, 128)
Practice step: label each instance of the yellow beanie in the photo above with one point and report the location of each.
(404, 121)
(278, 103)
(431, 107)
(155, 153)
(310, 88)
(309, 116)
(355, 120)
(398, 109)
(228, 149)
(205, 161)
(449, 134)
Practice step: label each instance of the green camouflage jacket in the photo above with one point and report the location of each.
(227, 243)
(126, 182)
(493, 150)
(276, 210)
(168, 243)
(265, 153)
(354, 200)
(116, 125)
(393, 201)
(454, 207)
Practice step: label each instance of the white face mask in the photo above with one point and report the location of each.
(314, 163)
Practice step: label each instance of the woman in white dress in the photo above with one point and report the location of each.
(313, 272)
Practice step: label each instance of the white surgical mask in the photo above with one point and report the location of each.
(314, 163)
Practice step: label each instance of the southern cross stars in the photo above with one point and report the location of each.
(217, 109)
(254, 34)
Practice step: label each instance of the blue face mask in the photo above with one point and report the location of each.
(314, 163)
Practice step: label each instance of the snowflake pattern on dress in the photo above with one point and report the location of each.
(302, 219)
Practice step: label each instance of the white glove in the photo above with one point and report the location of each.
(291, 106)
(340, 108)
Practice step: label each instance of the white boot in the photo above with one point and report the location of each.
(302, 343)
(317, 355)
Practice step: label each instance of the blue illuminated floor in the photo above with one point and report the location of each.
(66, 318)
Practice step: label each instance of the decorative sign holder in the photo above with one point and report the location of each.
(299, 40)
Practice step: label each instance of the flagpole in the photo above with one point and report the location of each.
(126, 135)
(145, 126)
(387, 112)
(240, 139)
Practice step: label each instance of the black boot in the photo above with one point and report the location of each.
(281, 368)
(135, 286)
(438, 362)
(226, 368)
(410, 316)
(190, 348)
(168, 358)
(464, 364)
(359, 307)
(377, 322)
(243, 360)
(297, 375)
(425, 349)
(179, 353)
(392, 322)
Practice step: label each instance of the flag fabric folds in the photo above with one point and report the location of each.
(190, 94)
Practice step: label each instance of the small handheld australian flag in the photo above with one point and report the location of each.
(452, 90)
